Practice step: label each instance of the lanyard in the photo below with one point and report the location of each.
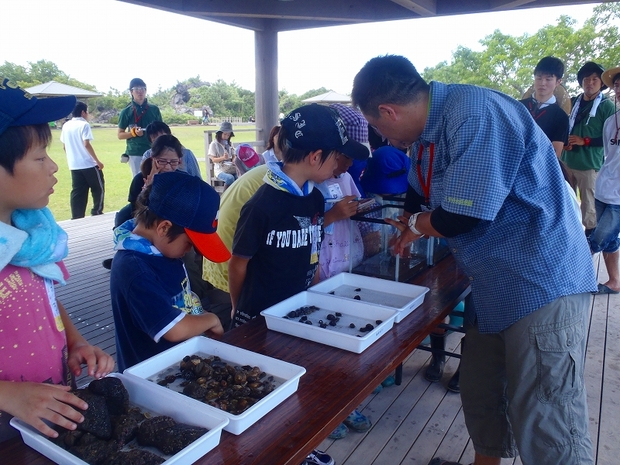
(135, 113)
(426, 184)
(534, 111)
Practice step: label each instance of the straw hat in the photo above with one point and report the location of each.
(561, 96)
(608, 76)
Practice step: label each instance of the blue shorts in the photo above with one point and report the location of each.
(523, 390)
(604, 238)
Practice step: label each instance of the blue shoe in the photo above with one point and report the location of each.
(378, 389)
(340, 432)
(389, 381)
(358, 422)
(318, 457)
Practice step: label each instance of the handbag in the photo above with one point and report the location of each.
(229, 167)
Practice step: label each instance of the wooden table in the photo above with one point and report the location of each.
(335, 383)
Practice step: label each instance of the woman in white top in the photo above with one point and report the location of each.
(221, 152)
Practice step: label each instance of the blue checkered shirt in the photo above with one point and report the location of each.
(494, 163)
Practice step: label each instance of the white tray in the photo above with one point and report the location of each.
(285, 373)
(341, 336)
(404, 298)
(155, 402)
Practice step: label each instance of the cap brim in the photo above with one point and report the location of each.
(355, 150)
(210, 246)
(46, 110)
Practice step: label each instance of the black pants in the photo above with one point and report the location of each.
(82, 180)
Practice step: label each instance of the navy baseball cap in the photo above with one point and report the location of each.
(136, 82)
(19, 108)
(191, 203)
(317, 127)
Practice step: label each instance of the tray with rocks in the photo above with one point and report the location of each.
(350, 325)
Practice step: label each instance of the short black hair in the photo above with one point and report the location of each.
(387, 79)
(156, 127)
(15, 142)
(292, 155)
(166, 142)
(550, 65)
(79, 108)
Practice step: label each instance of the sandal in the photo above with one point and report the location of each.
(438, 461)
(358, 422)
(340, 432)
(318, 457)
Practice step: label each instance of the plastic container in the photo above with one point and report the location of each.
(404, 298)
(155, 402)
(286, 374)
(341, 336)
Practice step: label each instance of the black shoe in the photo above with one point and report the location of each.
(453, 385)
(107, 263)
(434, 371)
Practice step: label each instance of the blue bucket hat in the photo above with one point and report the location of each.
(19, 108)
(386, 172)
(191, 203)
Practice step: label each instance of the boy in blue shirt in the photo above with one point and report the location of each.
(153, 305)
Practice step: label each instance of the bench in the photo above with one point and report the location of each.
(214, 182)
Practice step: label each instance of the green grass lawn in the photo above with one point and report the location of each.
(118, 175)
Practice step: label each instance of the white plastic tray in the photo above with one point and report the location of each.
(404, 298)
(286, 374)
(142, 396)
(341, 336)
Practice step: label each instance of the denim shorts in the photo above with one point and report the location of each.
(523, 390)
(604, 238)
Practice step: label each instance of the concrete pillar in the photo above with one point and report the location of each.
(266, 57)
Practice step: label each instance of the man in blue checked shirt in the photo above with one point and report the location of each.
(487, 178)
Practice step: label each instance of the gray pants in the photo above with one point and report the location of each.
(523, 389)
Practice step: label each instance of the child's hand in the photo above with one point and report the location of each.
(346, 208)
(98, 362)
(217, 329)
(35, 402)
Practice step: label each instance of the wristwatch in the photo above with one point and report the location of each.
(412, 221)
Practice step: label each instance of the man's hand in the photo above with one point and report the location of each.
(406, 235)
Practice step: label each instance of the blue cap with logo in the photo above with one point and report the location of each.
(19, 108)
(317, 127)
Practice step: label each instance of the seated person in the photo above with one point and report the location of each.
(221, 153)
(152, 301)
(246, 159)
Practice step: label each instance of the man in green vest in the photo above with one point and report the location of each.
(131, 123)
(583, 156)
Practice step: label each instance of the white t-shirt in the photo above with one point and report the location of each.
(607, 187)
(74, 133)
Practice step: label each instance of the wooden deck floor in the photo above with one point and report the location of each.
(412, 422)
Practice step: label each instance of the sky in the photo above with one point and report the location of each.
(105, 43)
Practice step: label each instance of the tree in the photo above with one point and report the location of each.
(506, 63)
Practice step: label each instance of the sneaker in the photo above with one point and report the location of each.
(340, 432)
(107, 263)
(389, 381)
(358, 422)
(318, 457)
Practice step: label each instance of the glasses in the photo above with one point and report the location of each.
(162, 162)
(139, 89)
